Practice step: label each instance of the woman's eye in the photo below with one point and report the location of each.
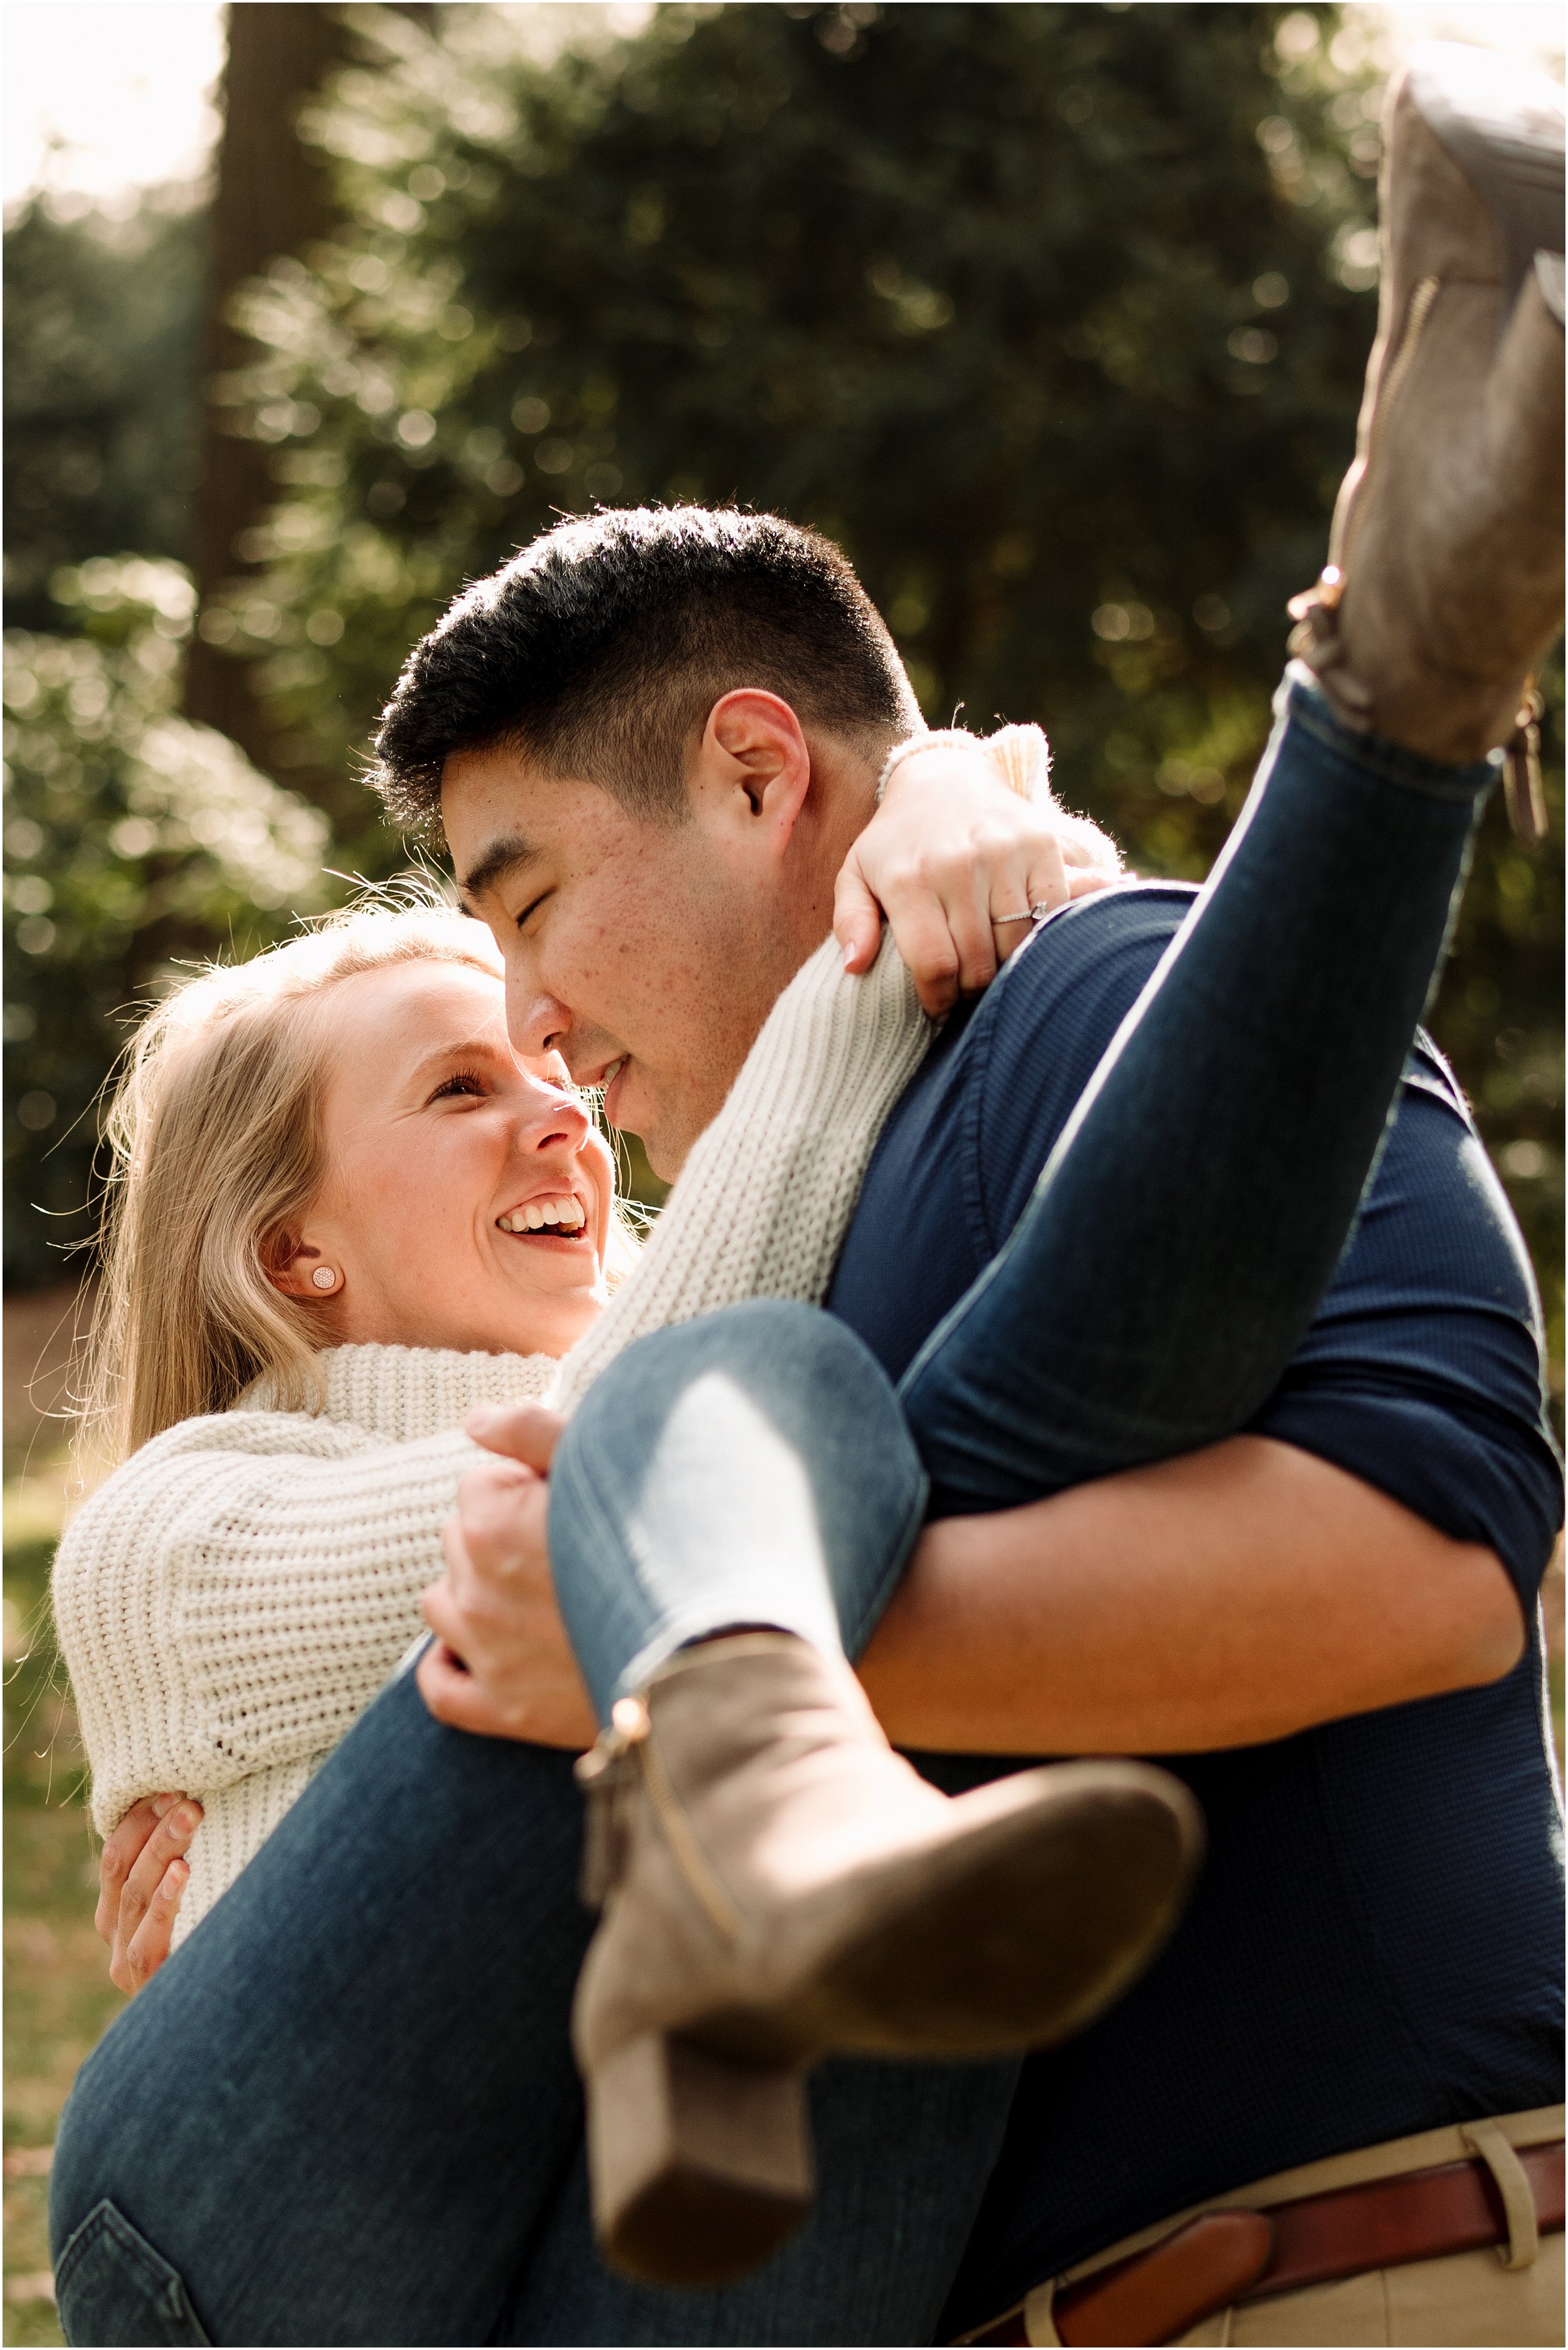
(462, 1081)
(530, 908)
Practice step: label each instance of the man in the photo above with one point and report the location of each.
(1323, 1615)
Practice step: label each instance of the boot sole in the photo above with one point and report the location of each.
(1502, 125)
(1020, 1934)
(1056, 1892)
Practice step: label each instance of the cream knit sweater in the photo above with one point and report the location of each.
(233, 1596)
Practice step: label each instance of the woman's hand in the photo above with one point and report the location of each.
(956, 860)
(502, 1665)
(143, 1875)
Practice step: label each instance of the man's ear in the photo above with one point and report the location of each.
(300, 1269)
(753, 767)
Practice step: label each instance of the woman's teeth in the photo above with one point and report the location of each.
(545, 1216)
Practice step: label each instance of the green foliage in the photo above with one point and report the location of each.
(133, 839)
(102, 322)
(1040, 310)
(1054, 316)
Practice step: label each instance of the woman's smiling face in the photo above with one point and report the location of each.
(467, 1197)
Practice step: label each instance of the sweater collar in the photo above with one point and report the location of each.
(402, 1393)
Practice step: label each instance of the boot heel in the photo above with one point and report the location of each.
(700, 2167)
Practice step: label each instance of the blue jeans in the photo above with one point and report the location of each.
(345, 2111)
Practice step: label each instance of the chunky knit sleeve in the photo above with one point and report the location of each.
(236, 1594)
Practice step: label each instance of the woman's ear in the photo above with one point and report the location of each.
(299, 1270)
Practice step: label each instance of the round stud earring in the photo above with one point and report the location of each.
(324, 1277)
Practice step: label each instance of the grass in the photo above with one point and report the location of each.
(58, 1997)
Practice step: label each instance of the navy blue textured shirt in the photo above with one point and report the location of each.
(1375, 1944)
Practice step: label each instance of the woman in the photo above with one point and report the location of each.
(343, 1215)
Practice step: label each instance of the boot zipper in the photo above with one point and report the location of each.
(607, 1774)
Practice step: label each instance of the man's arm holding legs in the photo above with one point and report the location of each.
(1237, 1595)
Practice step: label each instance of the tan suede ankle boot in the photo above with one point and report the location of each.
(778, 1884)
(1444, 585)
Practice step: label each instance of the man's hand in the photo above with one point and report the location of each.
(141, 1876)
(502, 1665)
(950, 850)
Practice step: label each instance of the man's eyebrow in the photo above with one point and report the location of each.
(502, 856)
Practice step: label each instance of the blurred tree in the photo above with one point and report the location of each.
(134, 839)
(1054, 316)
(102, 324)
(271, 196)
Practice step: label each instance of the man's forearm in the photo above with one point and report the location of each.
(1235, 1595)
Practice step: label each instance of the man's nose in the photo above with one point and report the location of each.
(536, 1022)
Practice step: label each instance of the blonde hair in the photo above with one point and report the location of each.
(216, 1155)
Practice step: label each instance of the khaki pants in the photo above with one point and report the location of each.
(1468, 2298)
(1510, 2294)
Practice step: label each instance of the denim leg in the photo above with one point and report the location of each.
(1194, 1209)
(904, 2152)
(751, 1467)
(343, 2110)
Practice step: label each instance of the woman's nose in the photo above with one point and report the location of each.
(555, 1120)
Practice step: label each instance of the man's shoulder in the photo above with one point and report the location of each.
(1041, 1031)
(1069, 987)
(1090, 945)
(967, 1140)
(1058, 1003)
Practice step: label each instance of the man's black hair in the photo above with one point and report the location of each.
(599, 650)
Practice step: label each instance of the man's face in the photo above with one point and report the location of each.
(647, 953)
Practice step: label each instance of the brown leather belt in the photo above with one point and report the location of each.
(1222, 2257)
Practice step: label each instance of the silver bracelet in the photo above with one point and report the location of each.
(954, 737)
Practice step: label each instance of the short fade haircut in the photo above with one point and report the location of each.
(599, 650)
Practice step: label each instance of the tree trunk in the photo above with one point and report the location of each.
(271, 197)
